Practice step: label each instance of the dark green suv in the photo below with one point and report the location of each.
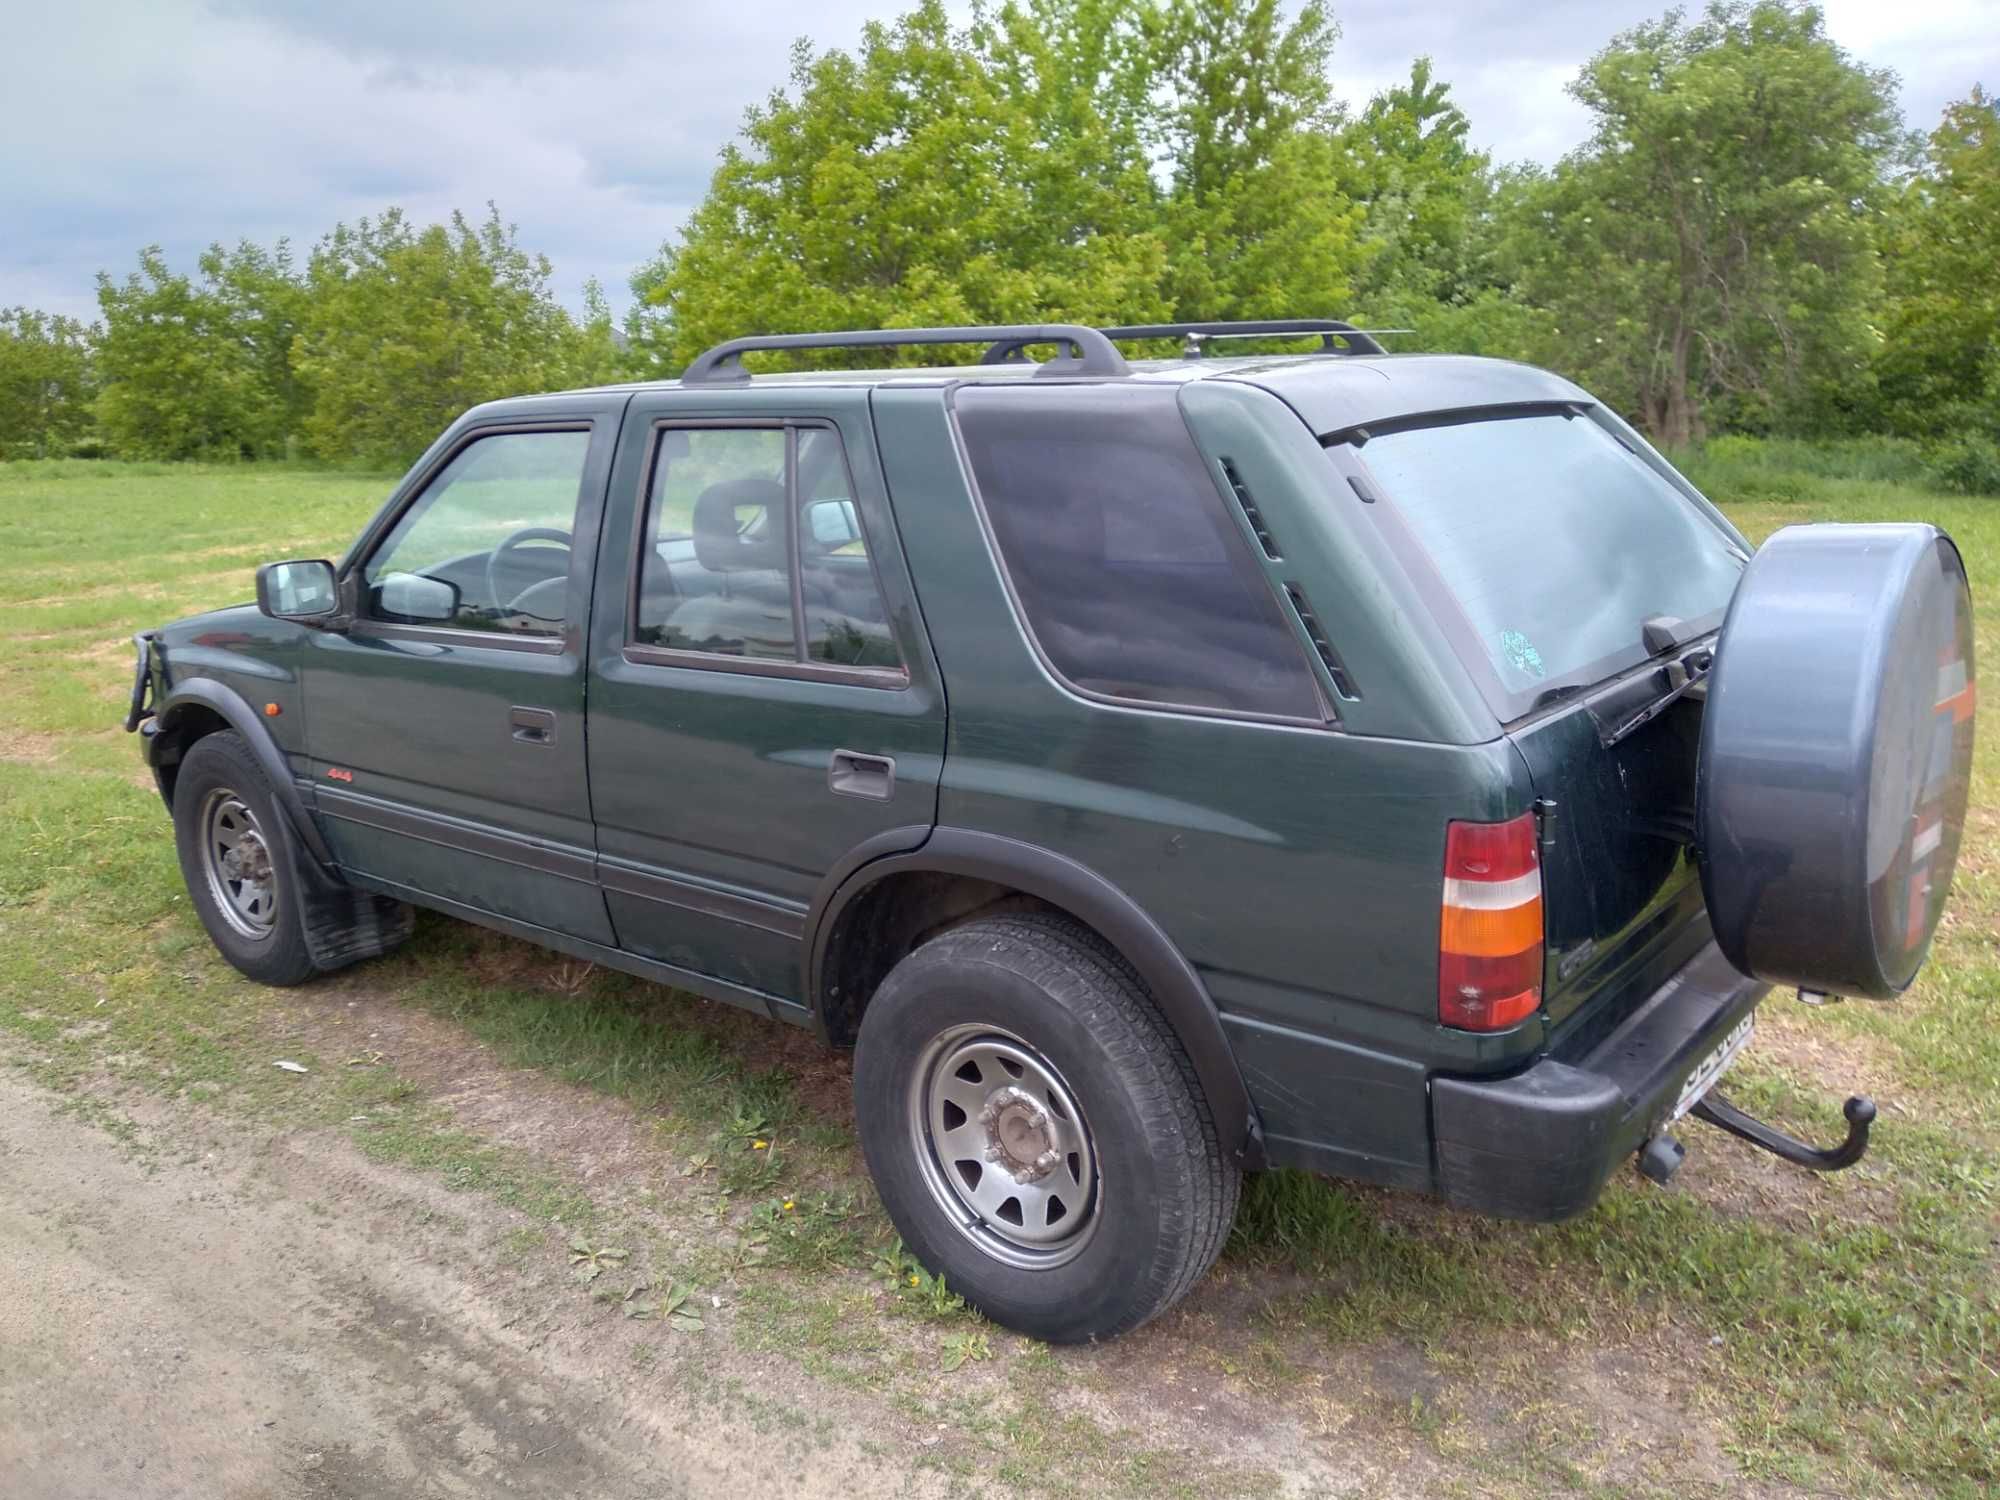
(1388, 766)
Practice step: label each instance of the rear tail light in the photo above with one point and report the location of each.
(1490, 940)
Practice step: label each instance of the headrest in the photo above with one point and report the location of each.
(720, 514)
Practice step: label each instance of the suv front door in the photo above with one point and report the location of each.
(446, 725)
(763, 702)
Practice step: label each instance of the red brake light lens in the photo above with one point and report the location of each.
(1490, 935)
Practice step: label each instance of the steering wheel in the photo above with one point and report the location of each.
(519, 539)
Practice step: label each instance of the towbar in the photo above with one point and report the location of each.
(1860, 1112)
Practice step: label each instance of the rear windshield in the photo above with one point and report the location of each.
(1557, 542)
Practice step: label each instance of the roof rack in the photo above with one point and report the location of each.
(1090, 352)
(1336, 337)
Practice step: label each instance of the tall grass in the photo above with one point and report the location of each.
(1760, 468)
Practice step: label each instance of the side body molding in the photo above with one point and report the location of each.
(1175, 986)
(222, 700)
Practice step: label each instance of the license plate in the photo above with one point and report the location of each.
(1712, 1067)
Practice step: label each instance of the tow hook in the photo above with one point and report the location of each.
(1661, 1157)
(1860, 1112)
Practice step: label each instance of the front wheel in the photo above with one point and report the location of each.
(1036, 1130)
(236, 859)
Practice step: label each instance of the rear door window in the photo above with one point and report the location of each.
(1556, 542)
(759, 553)
(1134, 580)
(719, 577)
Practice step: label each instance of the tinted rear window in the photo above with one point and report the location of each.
(1134, 578)
(1556, 541)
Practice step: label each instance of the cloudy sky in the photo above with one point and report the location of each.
(594, 124)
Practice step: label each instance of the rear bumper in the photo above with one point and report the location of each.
(1541, 1143)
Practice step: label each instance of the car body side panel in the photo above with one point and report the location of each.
(1299, 870)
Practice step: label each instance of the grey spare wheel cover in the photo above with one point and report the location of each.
(1836, 756)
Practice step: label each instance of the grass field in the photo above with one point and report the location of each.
(1839, 1334)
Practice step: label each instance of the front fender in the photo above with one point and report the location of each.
(167, 739)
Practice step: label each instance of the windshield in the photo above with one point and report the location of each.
(1557, 542)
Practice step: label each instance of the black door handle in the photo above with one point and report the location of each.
(855, 775)
(532, 726)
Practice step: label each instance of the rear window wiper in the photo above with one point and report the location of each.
(1686, 676)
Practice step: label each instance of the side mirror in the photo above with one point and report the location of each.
(416, 599)
(832, 524)
(302, 591)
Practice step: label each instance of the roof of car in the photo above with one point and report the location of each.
(1330, 392)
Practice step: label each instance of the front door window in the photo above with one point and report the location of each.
(486, 546)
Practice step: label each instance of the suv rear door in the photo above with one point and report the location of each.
(1552, 538)
(763, 702)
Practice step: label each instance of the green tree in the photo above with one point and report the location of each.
(198, 368)
(937, 175)
(1710, 251)
(403, 328)
(1939, 367)
(1427, 195)
(1258, 223)
(1077, 159)
(260, 297)
(46, 383)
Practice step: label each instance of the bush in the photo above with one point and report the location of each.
(1758, 468)
(1967, 466)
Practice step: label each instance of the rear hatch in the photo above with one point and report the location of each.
(1582, 582)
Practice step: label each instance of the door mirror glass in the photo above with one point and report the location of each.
(297, 590)
(416, 599)
(832, 524)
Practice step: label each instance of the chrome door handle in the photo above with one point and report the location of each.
(853, 774)
(532, 726)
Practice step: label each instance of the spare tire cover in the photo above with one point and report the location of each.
(1836, 756)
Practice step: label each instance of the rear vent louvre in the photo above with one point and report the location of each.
(1335, 667)
(1250, 511)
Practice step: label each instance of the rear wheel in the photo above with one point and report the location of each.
(235, 856)
(1036, 1130)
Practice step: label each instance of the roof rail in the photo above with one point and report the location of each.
(1333, 333)
(1091, 352)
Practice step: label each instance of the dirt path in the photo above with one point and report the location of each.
(208, 1321)
(222, 1302)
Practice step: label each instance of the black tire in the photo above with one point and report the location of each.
(1162, 1192)
(268, 942)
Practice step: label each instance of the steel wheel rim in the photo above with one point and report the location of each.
(236, 860)
(1004, 1147)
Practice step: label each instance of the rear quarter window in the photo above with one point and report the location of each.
(1134, 580)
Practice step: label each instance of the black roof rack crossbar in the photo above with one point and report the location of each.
(1333, 333)
(1091, 353)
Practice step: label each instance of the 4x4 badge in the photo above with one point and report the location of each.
(335, 773)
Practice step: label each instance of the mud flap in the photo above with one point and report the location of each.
(343, 925)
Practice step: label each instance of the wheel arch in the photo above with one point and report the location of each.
(956, 873)
(200, 706)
